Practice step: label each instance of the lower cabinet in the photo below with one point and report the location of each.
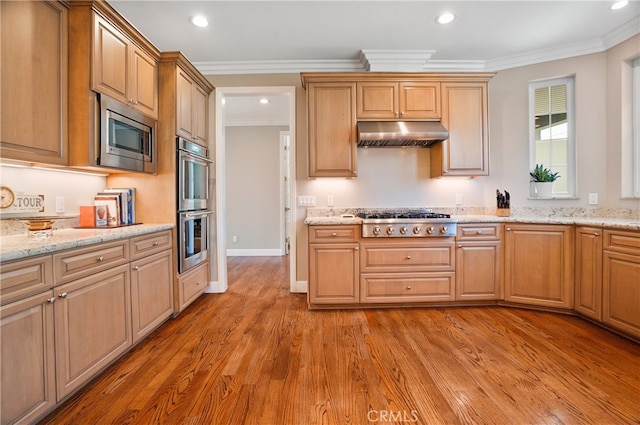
(478, 262)
(92, 325)
(28, 363)
(539, 265)
(588, 272)
(191, 285)
(334, 265)
(621, 281)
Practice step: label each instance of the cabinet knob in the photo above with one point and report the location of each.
(409, 287)
(334, 234)
(357, 248)
(508, 229)
(155, 243)
(408, 257)
(136, 268)
(479, 232)
(459, 246)
(51, 300)
(63, 295)
(100, 258)
(596, 234)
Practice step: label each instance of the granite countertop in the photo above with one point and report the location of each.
(615, 223)
(22, 246)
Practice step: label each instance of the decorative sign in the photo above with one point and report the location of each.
(18, 202)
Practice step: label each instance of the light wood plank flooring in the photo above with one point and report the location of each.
(257, 355)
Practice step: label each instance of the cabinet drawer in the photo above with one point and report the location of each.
(406, 287)
(621, 241)
(476, 232)
(389, 257)
(142, 246)
(320, 234)
(25, 277)
(82, 262)
(192, 284)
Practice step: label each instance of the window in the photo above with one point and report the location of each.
(551, 131)
(636, 128)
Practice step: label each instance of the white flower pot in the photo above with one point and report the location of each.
(544, 189)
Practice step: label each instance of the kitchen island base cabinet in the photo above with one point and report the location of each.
(478, 262)
(401, 288)
(539, 265)
(28, 365)
(92, 326)
(621, 281)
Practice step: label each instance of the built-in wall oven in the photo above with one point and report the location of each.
(194, 214)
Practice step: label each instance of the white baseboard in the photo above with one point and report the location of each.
(301, 286)
(214, 288)
(275, 252)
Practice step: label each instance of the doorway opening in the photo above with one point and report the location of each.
(269, 207)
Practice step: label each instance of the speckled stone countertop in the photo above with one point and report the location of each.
(22, 246)
(615, 219)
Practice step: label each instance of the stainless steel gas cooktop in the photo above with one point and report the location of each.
(406, 224)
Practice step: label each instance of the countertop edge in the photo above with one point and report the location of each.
(19, 247)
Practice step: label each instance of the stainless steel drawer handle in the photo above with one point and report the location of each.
(100, 258)
(51, 300)
(136, 268)
(63, 295)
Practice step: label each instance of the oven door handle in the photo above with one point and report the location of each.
(197, 214)
(194, 156)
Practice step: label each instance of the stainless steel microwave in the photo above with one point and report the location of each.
(126, 137)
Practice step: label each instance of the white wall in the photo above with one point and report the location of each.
(253, 190)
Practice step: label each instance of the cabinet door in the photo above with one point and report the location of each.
(144, 83)
(332, 129)
(151, 293)
(478, 266)
(333, 274)
(33, 111)
(199, 114)
(111, 57)
(588, 269)
(27, 362)
(464, 114)
(621, 291)
(93, 325)
(419, 100)
(538, 265)
(184, 105)
(377, 100)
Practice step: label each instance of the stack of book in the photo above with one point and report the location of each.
(120, 203)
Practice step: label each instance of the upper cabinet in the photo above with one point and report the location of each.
(465, 115)
(332, 129)
(123, 70)
(185, 93)
(33, 112)
(405, 101)
(337, 101)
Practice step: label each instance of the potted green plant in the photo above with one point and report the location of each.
(543, 179)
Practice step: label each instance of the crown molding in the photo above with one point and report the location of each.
(419, 61)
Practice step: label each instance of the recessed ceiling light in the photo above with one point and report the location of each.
(619, 4)
(264, 100)
(445, 18)
(199, 21)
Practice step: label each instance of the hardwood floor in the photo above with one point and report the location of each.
(257, 355)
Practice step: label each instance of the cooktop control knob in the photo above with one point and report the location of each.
(403, 230)
(376, 230)
(390, 230)
(430, 229)
(443, 229)
(417, 230)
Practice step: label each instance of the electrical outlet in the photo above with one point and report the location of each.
(593, 199)
(330, 200)
(60, 205)
(459, 199)
(235, 238)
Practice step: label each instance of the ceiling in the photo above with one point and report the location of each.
(253, 37)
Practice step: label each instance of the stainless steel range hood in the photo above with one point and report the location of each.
(391, 134)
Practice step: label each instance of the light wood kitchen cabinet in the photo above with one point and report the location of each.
(186, 92)
(123, 70)
(621, 281)
(25, 277)
(34, 105)
(331, 121)
(478, 261)
(465, 116)
(539, 264)
(28, 365)
(386, 100)
(92, 325)
(588, 272)
(333, 265)
(80, 262)
(393, 271)
(191, 285)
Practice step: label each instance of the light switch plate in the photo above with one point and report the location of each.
(307, 201)
(459, 199)
(60, 205)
